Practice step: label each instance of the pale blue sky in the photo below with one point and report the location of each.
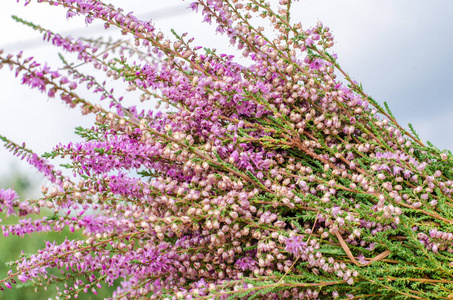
(400, 50)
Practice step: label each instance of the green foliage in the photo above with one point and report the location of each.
(412, 129)
(387, 109)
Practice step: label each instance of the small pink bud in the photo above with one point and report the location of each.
(187, 54)
(417, 204)
(435, 248)
(387, 185)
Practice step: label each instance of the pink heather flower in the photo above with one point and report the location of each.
(7, 198)
(407, 173)
(362, 260)
(296, 246)
(422, 166)
(22, 278)
(397, 170)
(385, 167)
(371, 247)
(246, 263)
(194, 6)
(317, 63)
(435, 248)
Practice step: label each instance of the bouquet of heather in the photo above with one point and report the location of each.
(268, 181)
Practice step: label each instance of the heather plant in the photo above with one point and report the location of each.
(267, 180)
(11, 246)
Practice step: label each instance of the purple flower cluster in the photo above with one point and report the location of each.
(296, 246)
(7, 198)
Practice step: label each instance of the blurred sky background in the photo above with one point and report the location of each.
(401, 51)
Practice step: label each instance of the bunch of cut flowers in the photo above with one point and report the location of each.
(270, 180)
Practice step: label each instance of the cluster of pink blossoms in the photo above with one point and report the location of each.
(272, 180)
